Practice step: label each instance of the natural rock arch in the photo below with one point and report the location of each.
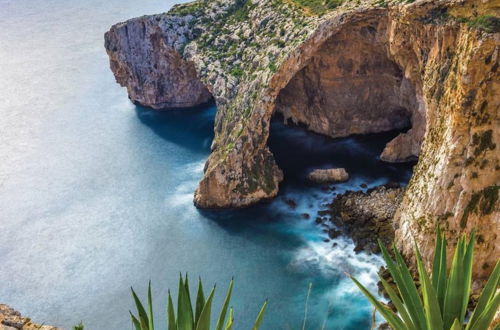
(350, 85)
(445, 75)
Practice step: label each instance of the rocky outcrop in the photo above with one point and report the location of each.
(366, 66)
(11, 319)
(367, 216)
(328, 175)
(144, 57)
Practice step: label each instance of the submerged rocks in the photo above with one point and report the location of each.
(10, 319)
(366, 217)
(328, 175)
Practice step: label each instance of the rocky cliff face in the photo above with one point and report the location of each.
(362, 67)
(455, 183)
(145, 58)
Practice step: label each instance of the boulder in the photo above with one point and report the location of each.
(328, 175)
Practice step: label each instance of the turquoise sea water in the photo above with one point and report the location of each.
(96, 193)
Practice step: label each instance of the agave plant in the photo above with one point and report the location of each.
(442, 304)
(186, 318)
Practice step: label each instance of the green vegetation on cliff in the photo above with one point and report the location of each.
(318, 7)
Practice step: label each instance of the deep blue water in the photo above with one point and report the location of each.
(96, 193)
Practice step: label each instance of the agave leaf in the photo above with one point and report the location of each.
(456, 325)
(200, 302)
(399, 305)
(258, 321)
(188, 295)
(135, 321)
(230, 320)
(431, 303)
(467, 265)
(394, 269)
(204, 321)
(171, 314)
(151, 325)
(409, 292)
(222, 315)
(143, 317)
(394, 320)
(487, 295)
(453, 300)
(439, 268)
(185, 319)
(484, 320)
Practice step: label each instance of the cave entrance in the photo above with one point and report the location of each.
(349, 87)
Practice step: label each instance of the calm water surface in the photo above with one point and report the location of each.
(96, 194)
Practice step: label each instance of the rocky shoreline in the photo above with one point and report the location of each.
(10, 319)
(366, 217)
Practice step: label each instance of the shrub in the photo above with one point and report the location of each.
(442, 303)
(79, 326)
(186, 318)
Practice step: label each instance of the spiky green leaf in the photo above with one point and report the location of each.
(484, 320)
(204, 321)
(455, 287)
(400, 307)
(467, 266)
(143, 317)
(439, 268)
(406, 287)
(486, 296)
(222, 315)
(172, 325)
(200, 302)
(135, 321)
(185, 319)
(151, 325)
(431, 303)
(394, 320)
(260, 317)
(230, 320)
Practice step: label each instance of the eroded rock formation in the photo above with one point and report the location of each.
(10, 319)
(145, 58)
(350, 85)
(362, 67)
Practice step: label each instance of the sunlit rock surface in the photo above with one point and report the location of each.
(10, 319)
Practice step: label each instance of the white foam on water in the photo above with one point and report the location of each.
(182, 196)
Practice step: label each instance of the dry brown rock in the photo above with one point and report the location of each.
(328, 175)
(11, 319)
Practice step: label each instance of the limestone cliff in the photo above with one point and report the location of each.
(341, 68)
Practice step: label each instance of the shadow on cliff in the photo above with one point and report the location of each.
(191, 128)
(298, 151)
